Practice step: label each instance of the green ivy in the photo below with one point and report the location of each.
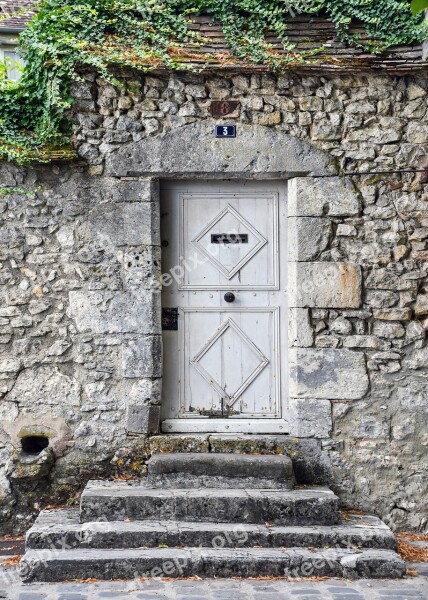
(146, 34)
(418, 6)
(7, 191)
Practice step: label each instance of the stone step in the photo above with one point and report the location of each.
(60, 565)
(133, 500)
(61, 529)
(311, 465)
(193, 470)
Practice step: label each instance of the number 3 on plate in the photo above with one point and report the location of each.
(228, 131)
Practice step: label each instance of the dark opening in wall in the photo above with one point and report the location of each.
(34, 444)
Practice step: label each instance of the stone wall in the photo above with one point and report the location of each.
(73, 309)
(73, 239)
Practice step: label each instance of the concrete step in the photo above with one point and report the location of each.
(61, 529)
(122, 500)
(193, 470)
(60, 565)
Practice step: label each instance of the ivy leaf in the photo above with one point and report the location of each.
(147, 34)
(418, 6)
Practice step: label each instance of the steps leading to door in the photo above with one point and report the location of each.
(54, 566)
(198, 470)
(58, 529)
(118, 501)
(147, 528)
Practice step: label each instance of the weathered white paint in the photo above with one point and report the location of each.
(223, 367)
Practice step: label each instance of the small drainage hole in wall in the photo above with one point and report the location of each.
(34, 444)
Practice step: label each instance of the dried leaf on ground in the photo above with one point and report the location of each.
(412, 553)
(263, 578)
(194, 578)
(413, 537)
(283, 577)
(12, 561)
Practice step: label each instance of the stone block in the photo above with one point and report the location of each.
(384, 130)
(385, 279)
(381, 298)
(215, 470)
(393, 314)
(414, 396)
(417, 133)
(138, 189)
(142, 357)
(142, 418)
(45, 386)
(193, 149)
(364, 341)
(341, 326)
(371, 428)
(142, 266)
(311, 465)
(332, 196)
(136, 311)
(10, 365)
(180, 443)
(146, 391)
(62, 528)
(389, 330)
(327, 373)
(10, 235)
(324, 285)
(346, 230)
(307, 237)
(112, 500)
(125, 224)
(310, 417)
(421, 308)
(418, 359)
(300, 332)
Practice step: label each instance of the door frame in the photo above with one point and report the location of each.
(264, 425)
(318, 193)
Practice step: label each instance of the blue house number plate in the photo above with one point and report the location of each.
(225, 131)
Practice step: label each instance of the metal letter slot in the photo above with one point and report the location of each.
(229, 238)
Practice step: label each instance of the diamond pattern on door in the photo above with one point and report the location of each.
(230, 255)
(221, 350)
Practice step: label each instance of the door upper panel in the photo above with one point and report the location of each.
(230, 240)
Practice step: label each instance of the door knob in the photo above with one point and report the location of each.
(229, 297)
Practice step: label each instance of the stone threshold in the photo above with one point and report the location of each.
(310, 463)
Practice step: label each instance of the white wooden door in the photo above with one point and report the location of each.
(224, 303)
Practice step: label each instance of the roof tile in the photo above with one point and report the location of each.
(306, 32)
(11, 7)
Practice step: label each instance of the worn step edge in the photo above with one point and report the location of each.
(119, 501)
(61, 529)
(220, 470)
(55, 566)
(188, 481)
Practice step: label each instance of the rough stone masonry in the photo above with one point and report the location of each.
(80, 255)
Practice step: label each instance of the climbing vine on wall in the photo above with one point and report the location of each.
(149, 33)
